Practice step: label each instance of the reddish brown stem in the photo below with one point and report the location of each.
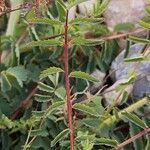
(123, 35)
(67, 85)
(132, 139)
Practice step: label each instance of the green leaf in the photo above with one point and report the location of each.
(39, 113)
(147, 147)
(31, 14)
(84, 135)
(60, 93)
(147, 9)
(20, 73)
(5, 84)
(75, 2)
(44, 21)
(34, 72)
(45, 88)
(6, 122)
(96, 103)
(100, 8)
(54, 107)
(124, 98)
(39, 132)
(105, 141)
(59, 137)
(136, 59)
(33, 33)
(138, 40)
(124, 27)
(49, 71)
(135, 119)
(42, 98)
(14, 81)
(54, 79)
(54, 42)
(87, 42)
(83, 75)
(41, 143)
(91, 122)
(86, 109)
(81, 20)
(112, 119)
(144, 24)
(107, 55)
(61, 10)
(129, 80)
(128, 43)
(148, 96)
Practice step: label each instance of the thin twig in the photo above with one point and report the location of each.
(110, 37)
(67, 85)
(122, 35)
(132, 139)
(28, 137)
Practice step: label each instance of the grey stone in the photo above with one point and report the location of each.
(72, 12)
(86, 8)
(142, 69)
(122, 11)
(118, 11)
(98, 75)
(111, 94)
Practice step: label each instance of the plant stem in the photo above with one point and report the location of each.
(26, 143)
(67, 84)
(132, 139)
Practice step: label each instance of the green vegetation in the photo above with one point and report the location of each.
(46, 65)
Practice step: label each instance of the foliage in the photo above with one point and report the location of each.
(36, 59)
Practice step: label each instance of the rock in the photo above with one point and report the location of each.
(142, 86)
(122, 11)
(98, 85)
(72, 12)
(86, 8)
(117, 11)
(92, 90)
(111, 94)
(99, 75)
(121, 70)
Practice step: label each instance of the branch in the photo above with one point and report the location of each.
(132, 139)
(67, 84)
(108, 37)
(122, 35)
